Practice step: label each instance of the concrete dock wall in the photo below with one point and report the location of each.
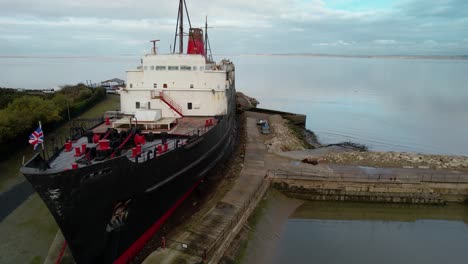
(396, 191)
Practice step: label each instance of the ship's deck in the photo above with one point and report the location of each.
(182, 126)
(185, 126)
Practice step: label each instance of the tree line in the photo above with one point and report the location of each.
(20, 111)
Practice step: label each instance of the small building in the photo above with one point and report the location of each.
(112, 85)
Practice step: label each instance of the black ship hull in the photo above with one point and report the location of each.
(108, 211)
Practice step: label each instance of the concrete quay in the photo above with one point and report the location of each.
(207, 239)
(364, 184)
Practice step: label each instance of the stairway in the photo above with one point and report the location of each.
(173, 105)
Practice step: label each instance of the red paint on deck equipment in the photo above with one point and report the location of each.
(96, 138)
(74, 166)
(68, 146)
(134, 152)
(159, 149)
(77, 152)
(103, 144)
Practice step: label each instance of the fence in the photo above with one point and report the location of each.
(410, 177)
(206, 253)
(235, 220)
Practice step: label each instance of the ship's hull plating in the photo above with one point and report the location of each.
(107, 211)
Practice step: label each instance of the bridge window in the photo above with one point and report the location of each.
(173, 68)
(189, 106)
(131, 85)
(160, 68)
(137, 105)
(155, 85)
(185, 68)
(191, 85)
(165, 85)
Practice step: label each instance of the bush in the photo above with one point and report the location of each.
(21, 116)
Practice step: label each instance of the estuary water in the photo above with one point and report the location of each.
(303, 232)
(415, 105)
(321, 232)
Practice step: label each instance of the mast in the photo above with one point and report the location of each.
(181, 26)
(206, 38)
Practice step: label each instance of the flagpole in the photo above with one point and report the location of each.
(42, 143)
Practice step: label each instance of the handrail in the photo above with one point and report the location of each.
(173, 105)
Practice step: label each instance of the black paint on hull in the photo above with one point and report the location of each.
(83, 201)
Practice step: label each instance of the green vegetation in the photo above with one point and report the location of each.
(252, 222)
(11, 164)
(20, 112)
(27, 233)
(7, 95)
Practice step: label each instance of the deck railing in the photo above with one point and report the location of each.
(171, 103)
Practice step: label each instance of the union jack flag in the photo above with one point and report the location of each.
(36, 138)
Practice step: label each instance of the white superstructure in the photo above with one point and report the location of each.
(178, 85)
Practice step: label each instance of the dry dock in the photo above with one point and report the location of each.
(207, 239)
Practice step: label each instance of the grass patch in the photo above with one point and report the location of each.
(27, 233)
(252, 222)
(36, 260)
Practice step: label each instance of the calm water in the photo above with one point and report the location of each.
(332, 233)
(388, 104)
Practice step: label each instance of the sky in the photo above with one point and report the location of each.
(124, 27)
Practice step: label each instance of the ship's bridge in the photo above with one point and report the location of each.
(178, 85)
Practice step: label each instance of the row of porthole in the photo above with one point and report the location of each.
(155, 85)
(176, 68)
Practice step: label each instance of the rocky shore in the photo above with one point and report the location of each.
(306, 147)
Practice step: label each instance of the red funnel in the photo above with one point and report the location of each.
(195, 42)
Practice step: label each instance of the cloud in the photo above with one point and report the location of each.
(242, 26)
(385, 41)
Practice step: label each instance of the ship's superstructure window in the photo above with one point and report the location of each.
(137, 105)
(194, 68)
(165, 85)
(185, 68)
(191, 85)
(149, 105)
(131, 85)
(152, 68)
(189, 106)
(160, 68)
(173, 68)
(155, 85)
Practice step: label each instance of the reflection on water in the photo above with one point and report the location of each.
(328, 232)
(388, 104)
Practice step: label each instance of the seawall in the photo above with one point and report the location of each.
(360, 190)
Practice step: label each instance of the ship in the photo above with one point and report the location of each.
(110, 188)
